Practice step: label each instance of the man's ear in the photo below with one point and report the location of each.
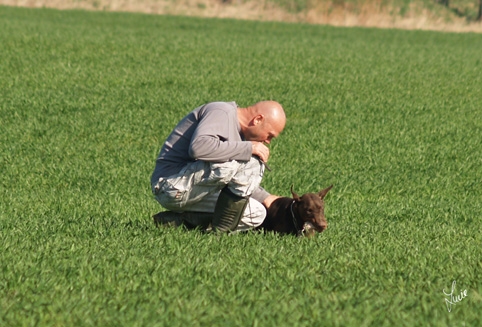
(258, 119)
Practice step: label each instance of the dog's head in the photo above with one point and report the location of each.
(310, 207)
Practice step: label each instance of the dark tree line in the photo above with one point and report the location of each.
(479, 14)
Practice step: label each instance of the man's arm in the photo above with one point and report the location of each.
(213, 139)
(261, 195)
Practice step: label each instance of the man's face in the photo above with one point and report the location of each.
(263, 131)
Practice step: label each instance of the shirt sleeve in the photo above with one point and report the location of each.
(213, 139)
(260, 194)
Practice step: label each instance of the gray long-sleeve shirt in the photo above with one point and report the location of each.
(210, 132)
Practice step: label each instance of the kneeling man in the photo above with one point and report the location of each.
(210, 168)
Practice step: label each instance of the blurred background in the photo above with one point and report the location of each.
(442, 15)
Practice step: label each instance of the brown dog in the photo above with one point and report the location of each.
(298, 215)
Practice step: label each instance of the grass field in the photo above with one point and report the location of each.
(391, 118)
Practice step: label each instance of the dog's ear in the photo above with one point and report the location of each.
(295, 196)
(322, 193)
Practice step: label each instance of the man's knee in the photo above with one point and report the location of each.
(247, 178)
(253, 216)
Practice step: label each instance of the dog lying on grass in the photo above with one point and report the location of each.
(303, 216)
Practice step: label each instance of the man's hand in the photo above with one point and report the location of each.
(260, 150)
(267, 202)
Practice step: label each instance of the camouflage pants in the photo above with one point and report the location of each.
(196, 188)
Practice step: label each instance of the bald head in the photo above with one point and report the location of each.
(272, 111)
(262, 121)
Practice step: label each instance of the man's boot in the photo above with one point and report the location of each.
(228, 211)
(167, 219)
(190, 219)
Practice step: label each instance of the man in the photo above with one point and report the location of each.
(210, 168)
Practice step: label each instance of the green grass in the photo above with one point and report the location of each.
(391, 118)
